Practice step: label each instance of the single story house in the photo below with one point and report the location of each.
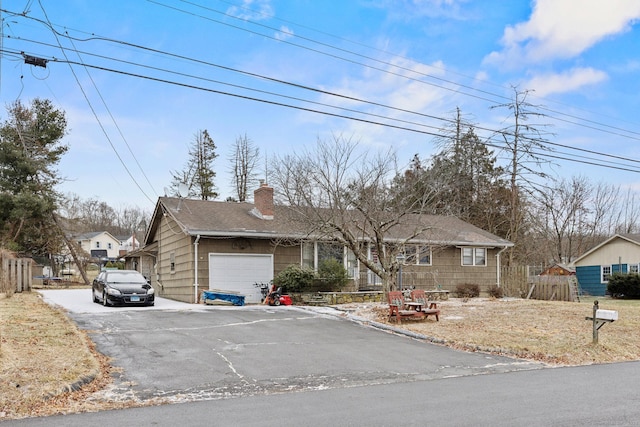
(196, 245)
(619, 253)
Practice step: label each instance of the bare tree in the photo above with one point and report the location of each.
(244, 160)
(525, 144)
(561, 215)
(339, 194)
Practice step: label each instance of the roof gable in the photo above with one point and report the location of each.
(633, 239)
(94, 234)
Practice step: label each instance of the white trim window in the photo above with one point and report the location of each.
(633, 268)
(605, 273)
(417, 254)
(474, 256)
(313, 253)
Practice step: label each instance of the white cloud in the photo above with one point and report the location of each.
(284, 33)
(564, 29)
(399, 88)
(567, 81)
(253, 10)
(416, 9)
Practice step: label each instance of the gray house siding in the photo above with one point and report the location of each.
(446, 271)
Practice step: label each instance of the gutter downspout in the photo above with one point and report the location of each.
(498, 267)
(195, 270)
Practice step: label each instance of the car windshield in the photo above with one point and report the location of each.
(126, 277)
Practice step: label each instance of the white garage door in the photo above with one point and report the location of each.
(239, 272)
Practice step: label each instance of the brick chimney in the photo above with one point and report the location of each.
(263, 200)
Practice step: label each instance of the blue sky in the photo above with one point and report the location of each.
(424, 58)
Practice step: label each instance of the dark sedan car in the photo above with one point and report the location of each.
(120, 287)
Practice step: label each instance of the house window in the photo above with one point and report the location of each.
(417, 254)
(314, 253)
(606, 273)
(172, 262)
(97, 245)
(633, 268)
(109, 246)
(474, 256)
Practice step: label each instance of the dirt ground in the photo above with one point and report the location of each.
(48, 366)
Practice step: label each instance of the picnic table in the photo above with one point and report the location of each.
(421, 302)
(400, 309)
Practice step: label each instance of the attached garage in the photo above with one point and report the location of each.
(239, 272)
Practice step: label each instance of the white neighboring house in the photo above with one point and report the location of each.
(129, 244)
(99, 244)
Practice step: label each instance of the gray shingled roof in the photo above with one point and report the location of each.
(233, 219)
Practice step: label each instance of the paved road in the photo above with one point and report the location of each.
(287, 366)
(602, 395)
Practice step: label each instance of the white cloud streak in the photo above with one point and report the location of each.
(561, 29)
(547, 84)
(254, 10)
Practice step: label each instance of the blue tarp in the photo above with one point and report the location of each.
(232, 298)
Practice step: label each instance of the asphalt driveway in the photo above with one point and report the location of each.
(185, 352)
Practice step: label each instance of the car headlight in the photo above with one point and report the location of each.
(112, 291)
(151, 291)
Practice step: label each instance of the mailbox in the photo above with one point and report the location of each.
(609, 315)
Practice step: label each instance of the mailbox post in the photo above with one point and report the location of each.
(599, 318)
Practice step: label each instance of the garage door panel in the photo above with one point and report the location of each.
(239, 273)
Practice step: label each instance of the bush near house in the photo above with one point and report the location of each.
(331, 277)
(496, 292)
(467, 290)
(624, 285)
(295, 279)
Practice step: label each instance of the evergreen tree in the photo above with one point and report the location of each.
(30, 149)
(469, 182)
(198, 175)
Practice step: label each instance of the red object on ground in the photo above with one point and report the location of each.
(285, 300)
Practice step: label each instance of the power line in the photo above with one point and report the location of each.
(547, 154)
(96, 115)
(263, 77)
(387, 64)
(308, 88)
(365, 65)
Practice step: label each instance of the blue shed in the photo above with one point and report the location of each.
(619, 253)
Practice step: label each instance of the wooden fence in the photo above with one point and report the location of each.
(521, 282)
(16, 274)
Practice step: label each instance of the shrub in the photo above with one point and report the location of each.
(332, 276)
(295, 279)
(467, 290)
(624, 285)
(496, 291)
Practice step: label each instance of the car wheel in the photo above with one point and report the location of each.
(104, 299)
(276, 302)
(95, 298)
